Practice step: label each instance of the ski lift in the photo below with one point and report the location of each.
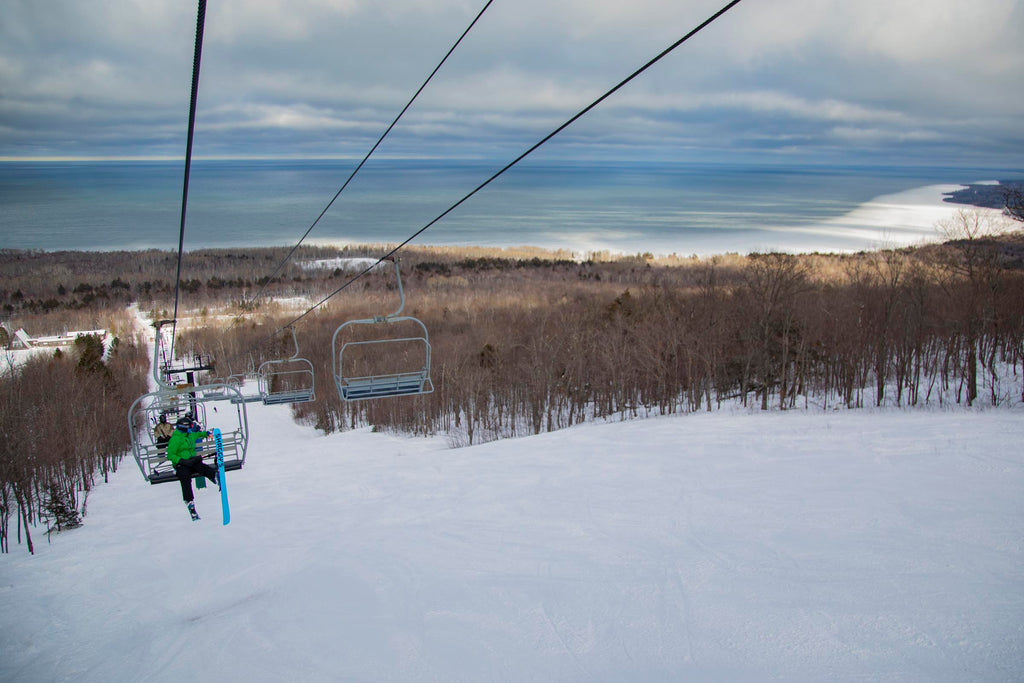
(173, 402)
(383, 366)
(216, 389)
(289, 380)
(247, 384)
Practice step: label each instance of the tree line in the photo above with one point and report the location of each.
(35, 284)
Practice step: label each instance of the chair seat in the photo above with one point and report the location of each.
(385, 385)
(281, 397)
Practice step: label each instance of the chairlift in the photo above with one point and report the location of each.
(216, 388)
(173, 402)
(247, 383)
(288, 380)
(384, 366)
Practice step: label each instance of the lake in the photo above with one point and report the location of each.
(629, 208)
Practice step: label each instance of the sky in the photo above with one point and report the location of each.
(772, 81)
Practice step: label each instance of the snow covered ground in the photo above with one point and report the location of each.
(345, 264)
(13, 358)
(730, 546)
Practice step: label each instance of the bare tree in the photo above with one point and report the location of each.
(972, 258)
(1014, 198)
(773, 281)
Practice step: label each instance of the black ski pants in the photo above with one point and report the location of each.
(186, 469)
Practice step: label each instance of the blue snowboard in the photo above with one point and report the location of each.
(225, 510)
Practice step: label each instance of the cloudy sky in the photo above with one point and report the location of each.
(859, 81)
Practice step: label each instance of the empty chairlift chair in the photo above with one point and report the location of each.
(390, 363)
(247, 384)
(290, 380)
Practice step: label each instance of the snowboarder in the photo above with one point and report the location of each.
(181, 451)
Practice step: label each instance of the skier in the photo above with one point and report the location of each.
(181, 451)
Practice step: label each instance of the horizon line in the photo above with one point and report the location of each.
(702, 162)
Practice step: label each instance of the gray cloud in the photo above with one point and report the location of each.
(808, 79)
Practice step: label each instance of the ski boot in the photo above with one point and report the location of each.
(192, 511)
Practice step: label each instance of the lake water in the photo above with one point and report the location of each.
(627, 208)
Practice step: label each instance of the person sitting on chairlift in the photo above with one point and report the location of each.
(181, 451)
(162, 432)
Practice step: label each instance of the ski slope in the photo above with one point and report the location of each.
(729, 546)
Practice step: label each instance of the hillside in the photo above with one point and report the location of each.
(880, 545)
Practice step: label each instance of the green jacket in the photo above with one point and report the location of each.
(182, 445)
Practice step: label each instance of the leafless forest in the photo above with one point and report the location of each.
(523, 341)
(62, 417)
(523, 345)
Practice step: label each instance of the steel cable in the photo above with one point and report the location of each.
(522, 156)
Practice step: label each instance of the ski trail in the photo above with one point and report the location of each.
(565, 645)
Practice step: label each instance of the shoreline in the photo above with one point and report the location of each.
(901, 219)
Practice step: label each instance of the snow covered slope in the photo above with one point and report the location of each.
(839, 546)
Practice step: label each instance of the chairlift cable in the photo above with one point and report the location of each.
(197, 57)
(368, 154)
(522, 156)
(150, 454)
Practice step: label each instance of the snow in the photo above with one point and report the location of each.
(345, 264)
(880, 545)
(901, 219)
(14, 358)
